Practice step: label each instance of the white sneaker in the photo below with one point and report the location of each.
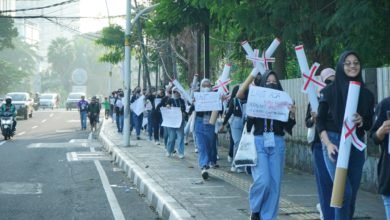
(181, 156)
(229, 159)
(318, 206)
(157, 143)
(233, 169)
(196, 150)
(167, 154)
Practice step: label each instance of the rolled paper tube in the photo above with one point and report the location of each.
(213, 117)
(345, 146)
(304, 67)
(224, 77)
(271, 49)
(339, 188)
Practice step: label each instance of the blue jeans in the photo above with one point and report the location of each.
(150, 125)
(323, 180)
(355, 168)
(83, 119)
(264, 192)
(236, 127)
(176, 136)
(119, 122)
(138, 123)
(386, 202)
(205, 139)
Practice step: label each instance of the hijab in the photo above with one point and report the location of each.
(263, 82)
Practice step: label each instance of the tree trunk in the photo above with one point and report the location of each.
(280, 61)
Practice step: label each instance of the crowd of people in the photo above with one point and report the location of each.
(269, 134)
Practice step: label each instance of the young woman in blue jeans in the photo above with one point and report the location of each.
(330, 119)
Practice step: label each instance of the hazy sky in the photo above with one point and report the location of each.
(98, 8)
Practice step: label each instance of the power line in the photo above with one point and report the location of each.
(42, 7)
(62, 17)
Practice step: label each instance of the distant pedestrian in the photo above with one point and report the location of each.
(332, 105)
(83, 109)
(93, 112)
(106, 106)
(380, 133)
(137, 118)
(119, 112)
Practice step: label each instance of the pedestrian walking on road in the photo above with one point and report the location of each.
(83, 109)
(332, 105)
(323, 180)
(93, 112)
(264, 192)
(380, 133)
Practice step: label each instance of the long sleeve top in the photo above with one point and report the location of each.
(384, 160)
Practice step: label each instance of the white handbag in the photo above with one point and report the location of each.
(246, 153)
(311, 132)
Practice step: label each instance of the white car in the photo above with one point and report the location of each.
(23, 104)
(49, 100)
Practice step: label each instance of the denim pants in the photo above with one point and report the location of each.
(138, 123)
(157, 129)
(119, 122)
(323, 180)
(386, 202)
(176, 137)
(236, 127)
(267, 175)
(205, 139)
(83, 119)
(355, 169)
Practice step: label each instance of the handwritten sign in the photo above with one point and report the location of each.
(138, 106)
(207, 101)
(172, 117)
(268, 103)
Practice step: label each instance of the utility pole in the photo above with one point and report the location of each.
(127, 77)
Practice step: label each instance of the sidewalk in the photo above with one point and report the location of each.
(176, 190)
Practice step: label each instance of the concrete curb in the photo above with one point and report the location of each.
(166, 206)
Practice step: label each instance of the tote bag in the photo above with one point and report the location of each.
(246, 153)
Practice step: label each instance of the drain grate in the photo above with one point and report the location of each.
(87, 156)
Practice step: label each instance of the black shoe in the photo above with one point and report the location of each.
(205, 174)
(255, 216)
(138, 138)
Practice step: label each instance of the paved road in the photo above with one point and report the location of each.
(52, 170)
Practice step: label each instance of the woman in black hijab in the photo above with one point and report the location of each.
(270, 146)
(330, 118)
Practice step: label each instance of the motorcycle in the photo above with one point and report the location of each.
(7, 123)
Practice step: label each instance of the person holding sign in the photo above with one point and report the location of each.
(323, 181)
(264, 192)
(330, 122)
(176, 135)
(380, 133)
(137, 118)
(205, 133)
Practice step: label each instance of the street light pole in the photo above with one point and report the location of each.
(127, 77)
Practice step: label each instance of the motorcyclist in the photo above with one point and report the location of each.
(10, 108)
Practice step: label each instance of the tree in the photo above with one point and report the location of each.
(7, 32)
(113, 38)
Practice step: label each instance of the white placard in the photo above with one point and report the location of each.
(156, 102)
(138, 106)
(172, 117)
(268, 103)
(207, 101)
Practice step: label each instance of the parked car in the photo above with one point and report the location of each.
(49, 100)
(73, 99)
(23, 104)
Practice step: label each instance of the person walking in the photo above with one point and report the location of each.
(264, 192)
(332, 105)
(380, 133)
(83, 110)
(119, 110)
(106, 106)
(137, 119)
(323, 180)
(93, 110)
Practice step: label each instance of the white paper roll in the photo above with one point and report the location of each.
(304, 67)
(271, 49)
(350, 109)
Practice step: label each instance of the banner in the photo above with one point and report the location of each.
(172, 117)
(268, 103)
(138, 106)
(207, 101)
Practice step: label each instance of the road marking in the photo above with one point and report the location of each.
(44, 120)
(3, 142)
(51, 115)
(21, 133)
(115, 207)
(65, 130)
(34, 127)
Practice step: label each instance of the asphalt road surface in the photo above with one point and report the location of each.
(53, 170)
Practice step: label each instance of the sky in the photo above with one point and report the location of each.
(98, 8)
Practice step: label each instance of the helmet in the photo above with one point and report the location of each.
(8, 100)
